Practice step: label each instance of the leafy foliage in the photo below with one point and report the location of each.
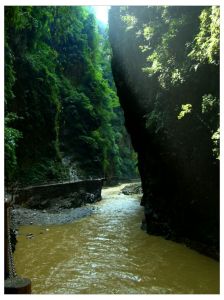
(59, 84)
(179, 45)
(207, 42)
(186, 109)
(12, 136)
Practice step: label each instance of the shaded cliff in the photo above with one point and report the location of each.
(169, 91)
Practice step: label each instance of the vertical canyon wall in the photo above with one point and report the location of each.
(162, 94)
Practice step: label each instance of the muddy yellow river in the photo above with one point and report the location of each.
(108, 253)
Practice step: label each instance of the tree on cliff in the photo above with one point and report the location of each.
(61, 108)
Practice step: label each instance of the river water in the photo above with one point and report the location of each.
(108, 253)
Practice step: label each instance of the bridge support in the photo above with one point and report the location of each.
(17, 285)
(13, 284)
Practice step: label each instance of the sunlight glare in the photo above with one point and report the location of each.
(101, 13)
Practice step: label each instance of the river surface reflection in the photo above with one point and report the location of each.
(108, 253)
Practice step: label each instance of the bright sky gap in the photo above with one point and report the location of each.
(101, 13)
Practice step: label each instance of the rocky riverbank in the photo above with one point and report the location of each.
(55, 203)
(61, 210)
(25, 216)
(133, 188)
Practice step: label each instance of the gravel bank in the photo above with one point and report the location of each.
(24, 216)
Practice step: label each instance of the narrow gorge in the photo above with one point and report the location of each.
(112, 164)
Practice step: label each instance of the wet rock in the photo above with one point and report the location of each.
(89, 198)
(132, 189)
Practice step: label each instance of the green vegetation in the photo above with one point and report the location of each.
(62, 115)
(180, 46)
(166, 69)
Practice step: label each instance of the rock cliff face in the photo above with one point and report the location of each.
(180, 180)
